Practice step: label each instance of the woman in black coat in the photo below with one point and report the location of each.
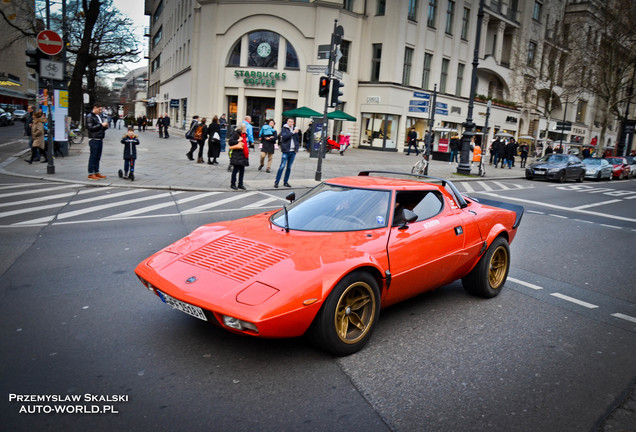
(214, 143)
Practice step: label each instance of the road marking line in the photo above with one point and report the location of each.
(501, 185)
(261, 203)
(527, 284)
(32, 209)
(39, 190)
(107, 196)
(596, 204)
(558, 216)
(468, 188)
(196, 197)
(605, 215)
(625, 317)
(39, 199)
(611, 226)
(218, 203)
(109, 205)
(584, 221)
(573, 300)
(484, 185)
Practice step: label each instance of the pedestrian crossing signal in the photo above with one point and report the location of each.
(324, 87)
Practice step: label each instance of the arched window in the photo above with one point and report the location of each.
(263, 47)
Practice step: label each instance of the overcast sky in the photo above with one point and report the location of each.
(134, 9)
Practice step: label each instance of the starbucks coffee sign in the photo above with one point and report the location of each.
(259, 78)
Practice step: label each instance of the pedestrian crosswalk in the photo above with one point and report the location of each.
(42, 203)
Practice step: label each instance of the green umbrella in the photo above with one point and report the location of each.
(340, 115)
(302, 112)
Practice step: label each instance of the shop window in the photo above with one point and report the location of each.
(379, 131)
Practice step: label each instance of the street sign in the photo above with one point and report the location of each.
(52, 69)
(422, 95)
(565, 126)
(419, 103)
(317, 69)
(337, 74)
(324, 51)
(49, 42)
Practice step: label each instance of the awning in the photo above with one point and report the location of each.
(304, 112)
(340, 115)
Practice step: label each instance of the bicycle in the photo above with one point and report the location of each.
(420, 166)
(75, 135)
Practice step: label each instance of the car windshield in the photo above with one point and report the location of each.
(591, 161)
(615, 161)
(329, 208)
(554, 158)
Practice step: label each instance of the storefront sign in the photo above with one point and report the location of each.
(578, 131)
(373, 99)
(174, 103)
(260, 78)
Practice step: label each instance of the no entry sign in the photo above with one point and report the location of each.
(49, 42)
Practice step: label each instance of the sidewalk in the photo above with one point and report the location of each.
(162, 164)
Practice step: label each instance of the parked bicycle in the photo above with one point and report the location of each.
(420, 166)
(75, 135)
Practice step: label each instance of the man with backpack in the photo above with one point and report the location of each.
(190, 136)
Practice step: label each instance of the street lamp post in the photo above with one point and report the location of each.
(469, 124)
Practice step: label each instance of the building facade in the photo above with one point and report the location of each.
(209, 57)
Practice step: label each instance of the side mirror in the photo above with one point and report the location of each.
(291, 197)
(409, 217)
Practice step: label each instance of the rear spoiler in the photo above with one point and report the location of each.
(504, 205)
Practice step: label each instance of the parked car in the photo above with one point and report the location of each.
(621, 167)
(5, 118)
(559, 167)
(597, 169)
(19, 115)
(631, 160)
(328, 262)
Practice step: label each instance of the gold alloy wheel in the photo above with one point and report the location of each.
(355, 312)
(497, 268)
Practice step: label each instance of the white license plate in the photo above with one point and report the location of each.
(195, 311)
(539, 173)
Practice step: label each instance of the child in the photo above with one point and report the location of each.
(130, 142)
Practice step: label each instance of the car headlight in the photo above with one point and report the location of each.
(554, 170)
(238, 324)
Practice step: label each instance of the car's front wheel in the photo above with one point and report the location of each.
(561, 177)
(490, 273)
(347, 319)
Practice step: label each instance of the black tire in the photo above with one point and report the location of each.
(561, 178)
(581, 177)
(529, 177)
(131, 176)
(120, 173)
(348, 317)
(491, 272)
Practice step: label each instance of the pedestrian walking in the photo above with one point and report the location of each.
(268, 136)
(130, 142)
(96, 125)
(524, 149)
(239, 155)
(249, 130)
(344, 141)
(190, 137)
(28, 122)
(454, 149)
(223, 126)
(37, 134)
(214, 141)
(289, 143)
(200, 135)
(166, 124)
(412, 137)
(160, 126)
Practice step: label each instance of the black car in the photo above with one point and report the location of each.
(559, 167)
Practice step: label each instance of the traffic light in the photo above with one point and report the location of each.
(324, 87)
(336, 93)
(33, 60)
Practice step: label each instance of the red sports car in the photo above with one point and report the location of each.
(328, 262)
(620, 167)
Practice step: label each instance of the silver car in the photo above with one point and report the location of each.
(597, 169)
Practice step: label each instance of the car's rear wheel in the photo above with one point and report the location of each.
(491, 272)
(581, 177)
(347, 319)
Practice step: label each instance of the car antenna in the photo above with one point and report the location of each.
(290, 197)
